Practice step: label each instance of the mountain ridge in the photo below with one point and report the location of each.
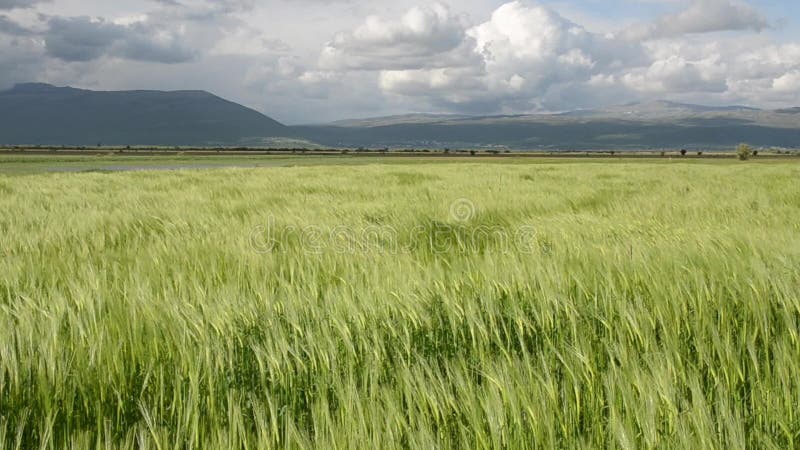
(38, 113)
(627, 108)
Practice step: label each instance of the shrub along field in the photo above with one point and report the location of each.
(464, 305)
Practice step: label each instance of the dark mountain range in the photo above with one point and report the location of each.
(43, 114)
(48, 115)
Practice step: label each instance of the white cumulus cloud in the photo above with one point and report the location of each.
(424, 36)
(523, 50)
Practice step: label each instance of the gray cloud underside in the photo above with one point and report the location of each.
(8, 26)
(12, 4)
(703, 16)
(82, 39)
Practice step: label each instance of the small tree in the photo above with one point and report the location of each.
(683, 152)
(744, 151)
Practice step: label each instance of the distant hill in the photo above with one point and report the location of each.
(49, 115)
(398, 120)
(650, 125)
(659, 109)
(43, 114)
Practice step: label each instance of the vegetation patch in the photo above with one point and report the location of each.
(412, 178)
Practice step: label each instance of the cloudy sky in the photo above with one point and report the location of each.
(306, 61)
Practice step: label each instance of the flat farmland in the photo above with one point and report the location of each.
(332, 302)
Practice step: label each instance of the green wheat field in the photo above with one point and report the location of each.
(625, 304)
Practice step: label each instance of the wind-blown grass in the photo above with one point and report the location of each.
(655, 305)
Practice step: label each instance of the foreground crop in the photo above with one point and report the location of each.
(643, 305)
